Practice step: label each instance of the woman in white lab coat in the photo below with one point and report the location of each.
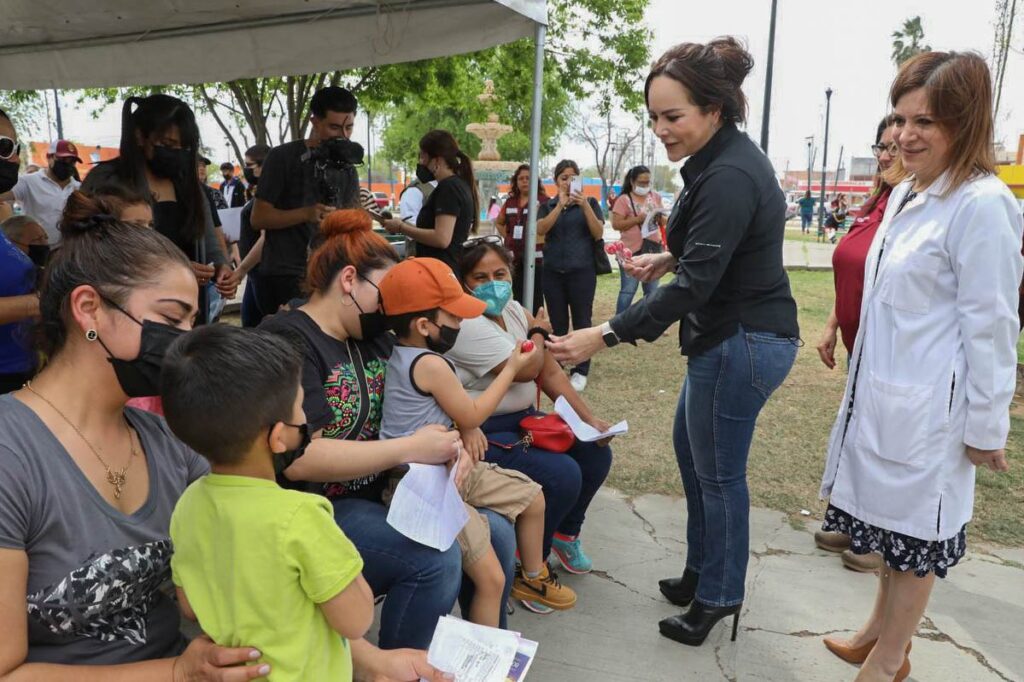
(933, 368)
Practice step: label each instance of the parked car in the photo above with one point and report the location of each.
(382, 199)
(791, 209)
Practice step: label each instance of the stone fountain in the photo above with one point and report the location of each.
(489, 169)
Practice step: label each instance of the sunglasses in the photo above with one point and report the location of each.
(878, 149)
(9, 148)
(486, 239)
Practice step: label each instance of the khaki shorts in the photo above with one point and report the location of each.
(503, 491)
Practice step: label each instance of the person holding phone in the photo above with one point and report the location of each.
(629, 213)
(570, 224)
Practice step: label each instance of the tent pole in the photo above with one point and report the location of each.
(530, 248)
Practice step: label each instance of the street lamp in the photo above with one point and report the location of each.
(766, 113)
(824, 162)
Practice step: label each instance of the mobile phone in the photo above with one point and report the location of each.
(380, 216)
(576, 185)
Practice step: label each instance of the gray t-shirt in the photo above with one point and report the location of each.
(93, 573)
(483, 345)
(406, 407)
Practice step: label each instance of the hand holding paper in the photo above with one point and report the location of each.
(584, 431)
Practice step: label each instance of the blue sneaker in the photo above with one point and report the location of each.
(571, 555)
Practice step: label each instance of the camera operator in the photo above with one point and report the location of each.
(299, 184)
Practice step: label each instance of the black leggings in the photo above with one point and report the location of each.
(572, 293)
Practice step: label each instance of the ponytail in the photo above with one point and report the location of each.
(441, 144)
(464, 169)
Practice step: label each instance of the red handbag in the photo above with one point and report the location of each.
(547, 431)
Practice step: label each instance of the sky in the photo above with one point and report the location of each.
(819, 44)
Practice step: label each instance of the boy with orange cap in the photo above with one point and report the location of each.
(425, 305)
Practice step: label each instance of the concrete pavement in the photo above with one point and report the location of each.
(796, 594)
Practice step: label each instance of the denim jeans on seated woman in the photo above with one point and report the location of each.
(569, 480)
(421, 583)
(724, 391)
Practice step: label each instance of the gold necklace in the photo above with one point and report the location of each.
(115, 477)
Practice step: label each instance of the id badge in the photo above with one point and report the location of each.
(517, 232)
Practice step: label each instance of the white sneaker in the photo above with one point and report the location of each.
(578, 381)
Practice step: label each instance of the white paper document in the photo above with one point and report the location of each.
(230, 222)
(584, 431)
(427, 506)
(476, 653)
(650, 225)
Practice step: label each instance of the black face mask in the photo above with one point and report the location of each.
(170, 163)
(283, 460)
(250, 175)
(424, 174)
(371, 324)
(140, 377)
(62, 170)
(39, 254)
(447, 341)
(8, 176)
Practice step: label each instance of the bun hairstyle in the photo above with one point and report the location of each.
(98, 249)
(346, 238)
(712, 74)
(440, 144)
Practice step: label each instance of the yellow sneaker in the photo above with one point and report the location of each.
(544, 589)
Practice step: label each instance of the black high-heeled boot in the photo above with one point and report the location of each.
(680, 591)
(692, 627)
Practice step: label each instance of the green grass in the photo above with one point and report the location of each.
(786, 460)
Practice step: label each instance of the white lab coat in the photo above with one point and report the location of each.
(934, 365)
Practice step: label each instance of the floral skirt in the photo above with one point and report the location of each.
(899, 552)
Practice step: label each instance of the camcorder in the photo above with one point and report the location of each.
(334, 171)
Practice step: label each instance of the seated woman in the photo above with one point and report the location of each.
(99, 524)
(346, 353)
(87, 486)
(484, 344)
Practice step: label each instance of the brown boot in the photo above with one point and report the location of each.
(831, 542)
(862, 563)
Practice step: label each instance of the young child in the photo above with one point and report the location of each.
(425, 305)
(256, 564)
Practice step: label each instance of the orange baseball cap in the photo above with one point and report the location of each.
(418, 284)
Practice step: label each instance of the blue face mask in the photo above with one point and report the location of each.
(496, 294)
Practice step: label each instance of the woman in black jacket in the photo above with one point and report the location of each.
(738, 318)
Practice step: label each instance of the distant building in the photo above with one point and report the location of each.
(862, 168)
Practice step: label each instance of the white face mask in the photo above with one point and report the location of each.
(641, 191)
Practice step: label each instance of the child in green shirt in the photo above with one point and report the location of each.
(256, 564)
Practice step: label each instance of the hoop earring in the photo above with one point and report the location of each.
(91, 335)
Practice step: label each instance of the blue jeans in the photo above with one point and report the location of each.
(805, 221)
(420, 582)
(627, 290)
(569, 480)
(572, 293)
(252, 314)
(724, 391)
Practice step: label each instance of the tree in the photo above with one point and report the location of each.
(26, 108)
(596, 48)
(907, 41)
(610, 144)
(1006, 13)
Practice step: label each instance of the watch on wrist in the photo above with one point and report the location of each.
(608, 334)
(539, 330)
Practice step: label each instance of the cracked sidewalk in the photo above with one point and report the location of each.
(796, 594)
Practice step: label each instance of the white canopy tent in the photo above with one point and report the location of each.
(94, 43)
